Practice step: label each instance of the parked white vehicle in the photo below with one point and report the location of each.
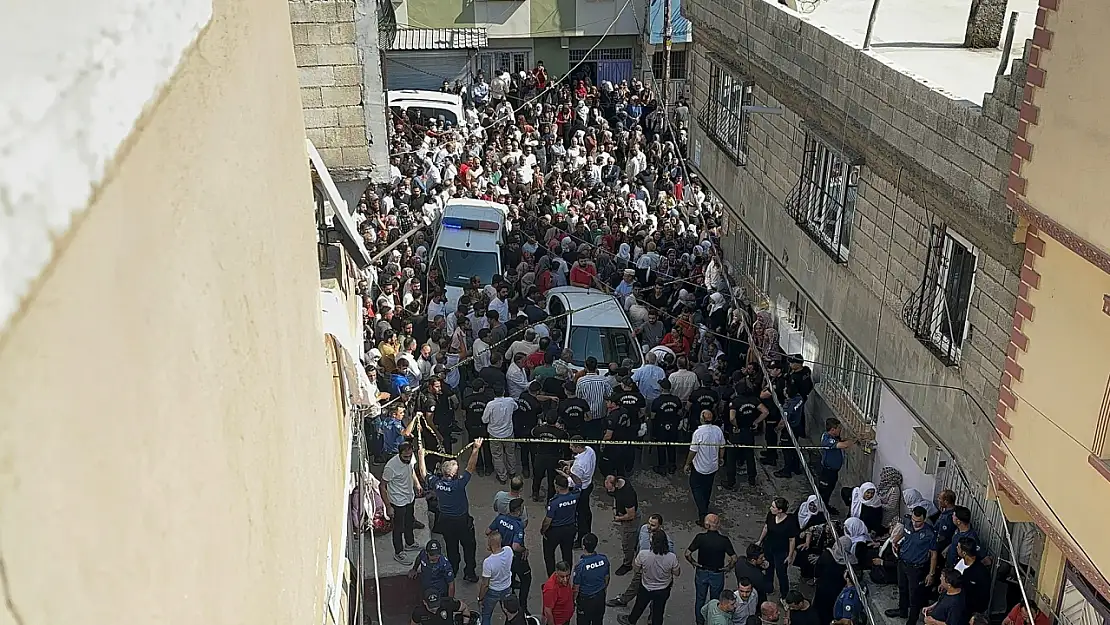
(428, 104)
(597, 326)
(468, 244)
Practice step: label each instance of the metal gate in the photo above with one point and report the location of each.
(613, 64)
(426, 69)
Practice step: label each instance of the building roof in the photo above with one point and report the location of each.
(923, 39)
(440, 39)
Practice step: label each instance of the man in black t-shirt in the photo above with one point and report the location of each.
(745, 410)
(547, 455)
(666, 413)
(620, 425)
(624, 513)
(716, 555)
(474, 405)
(632, 402)
(704, 398)
(572, 411)
(437, 610)
(800, 609)
(777, 386)
(526, 417)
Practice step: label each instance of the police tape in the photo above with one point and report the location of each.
(561, 441)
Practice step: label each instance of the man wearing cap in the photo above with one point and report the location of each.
(434, 570)
(510, 527)
(454, 521)
(439, 610)
(624, 289)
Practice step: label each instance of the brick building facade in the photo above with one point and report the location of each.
(871, 213)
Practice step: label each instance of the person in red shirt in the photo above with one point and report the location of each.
(583, 272)
(540, 74)
(1020, 616)
(558, 596)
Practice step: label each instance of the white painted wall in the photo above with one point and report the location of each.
(505, 19)
(594, 16)
(75, 75)
(892, 434)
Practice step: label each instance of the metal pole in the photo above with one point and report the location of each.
(1007, 45)
(871, 25)
(668, 34)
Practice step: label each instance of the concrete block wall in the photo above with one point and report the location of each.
(927, 159)
(332, 83)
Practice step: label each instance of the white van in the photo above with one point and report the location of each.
(468, 244)
(428, 104)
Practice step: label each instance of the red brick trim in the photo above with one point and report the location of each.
(1066, 237)
(1099, 465)
(1051, 530)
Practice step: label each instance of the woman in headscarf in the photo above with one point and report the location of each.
(890, 492)
(624, 256)
(814, 537)
(861, 540)
(829, 569)
(867, 506)
(913, 498)
(544, 280)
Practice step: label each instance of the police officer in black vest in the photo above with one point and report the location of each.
(525, 417)
(744, 410)
(666, 414)
(572, 411)
(632, 402)
(547, 456)
(474, 404)
(560, 524)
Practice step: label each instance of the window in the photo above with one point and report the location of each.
(754, 264)
(850, 377)
(1080, 603)
(723, 117)
(939, 311)
(1101, 447)
(678, 65)
(457, 266)
(514, 60)
(824, 201)
(606, 344)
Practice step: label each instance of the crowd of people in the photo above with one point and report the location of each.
(599, 196)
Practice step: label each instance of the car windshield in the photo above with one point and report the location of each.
(457, 266)
(430, 112)
(606, 344)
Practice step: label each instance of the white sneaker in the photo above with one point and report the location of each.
(400, 557)
(413, 547)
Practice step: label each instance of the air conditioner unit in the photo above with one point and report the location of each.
(925, 450)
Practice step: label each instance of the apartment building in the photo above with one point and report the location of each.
(175, 386)
(1053, 414)
(864, 187)
(440, 40)
(337, 44)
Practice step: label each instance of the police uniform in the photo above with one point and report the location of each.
(454, 522)
(745, 405)
(572, 413)
(591, 576)
(474, 403)
(667, 413)
(546, 459)
(848, 605)
(525, 417)
(778, 387)
(564, 523)
(913, 568)
(511, 530)
(703, 398)
(832, 460)
(435, 576)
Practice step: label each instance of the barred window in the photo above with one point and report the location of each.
(850, 376)
(723, 117)
(824, 201)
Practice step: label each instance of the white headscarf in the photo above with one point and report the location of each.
(716, 302)
(856, 530)
(804, 513)
(913, 498)
(625, 252)
(858, 502)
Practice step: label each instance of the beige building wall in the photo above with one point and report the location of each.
(170, 444)
(1051, 456)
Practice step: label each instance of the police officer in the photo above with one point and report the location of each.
(832, 460)
(703, 398)
(744, 410)
(917, 566)
(848, 609)
(776, 389)
(454, 522)
(591, 580)
(666, 414)
(474, 404)
(560, 524)
(572, 411)
(799, 383)
(632, 402)
(434, 570)
(525, 418)
(547, 455)
(511, 528)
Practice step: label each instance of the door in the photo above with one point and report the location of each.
(614, 71)
(425, 70)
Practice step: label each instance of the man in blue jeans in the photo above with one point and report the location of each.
(715, 556)
(497, 577)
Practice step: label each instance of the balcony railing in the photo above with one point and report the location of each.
(820, 217)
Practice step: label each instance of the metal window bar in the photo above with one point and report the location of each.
(937, 310)
(604, 54)
(723, 117)
(1102, 428)
(823, 201)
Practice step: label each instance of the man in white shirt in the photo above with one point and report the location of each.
(527, 346)
(516, 379)
(499, 418)
(497, 577)
(481, 350)
(647, 378)
(580, 474)
(683, 382)
(705, 457)
(399, 488)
